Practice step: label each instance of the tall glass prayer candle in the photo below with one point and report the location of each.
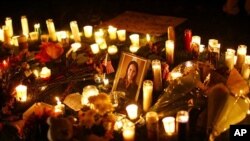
(169, 125)
(182, 119)
(112, 49)
(132, 111)
(188, 39)
(171, 33)
(201, 48)
(6, 35)
(147, 94)
(148, 38)
(88, 31)
(128, 131)
(241, 54)
(245, 71)
(95, 48)
(112, 32)
(1, 35)
(156, 67)
(169, 45)
(121, 35)
(152, 125)
(75, 31)
(25, 26)
(214, 51)
(51, 29)
(21, 93)
(8, 23)
(229, 58)
(135, 39)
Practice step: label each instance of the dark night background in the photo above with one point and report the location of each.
(205, 17)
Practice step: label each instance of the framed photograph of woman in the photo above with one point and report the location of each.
(130, 74)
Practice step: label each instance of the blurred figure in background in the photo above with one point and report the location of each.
(231, 7)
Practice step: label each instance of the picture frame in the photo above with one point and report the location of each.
(126, 67)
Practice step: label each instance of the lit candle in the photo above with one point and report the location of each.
(196, 39)
(51, 29)
(88, 91)
(21, 93)
(74, 48)
(156, 67)
(201, 48)
(25, 26)
(95, 48)
(88, 30)
(106, 81)
(59, 108)
(6, 35)
(99, 35)
(45, 73)
(148, 38)
(241, 54)
(112, 32)
(188, 39)
(37, 27)
(34, 36)
(229, 58)
(112, 49)
(245, 71)
(147, 94)
(8, 24)
(171, 33)
(1, 35)
(133, 48)
(169, 45)
(128, 132)
(14, 41)
(135, 39)
(152, 125)
(102, 44)
(182, 119)
(132, 111)
(169, 125)
(75, 31)
(121, 35)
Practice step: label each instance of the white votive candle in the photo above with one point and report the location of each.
(135, 39)
(112, 49)
(156, 67)
(147, 94)
(121, 35)
(95, 48)
(132, 111)
(21, 93)
(99, 35)
(169, 125)
(88, 31)
(196, 39)
(133, 48)
(112, 32)
(128, 132)
(152, 125)
(45, 73)
(34, 36)
(8, 24)
(169, 45)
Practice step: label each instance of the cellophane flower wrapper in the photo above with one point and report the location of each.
(180, 91)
